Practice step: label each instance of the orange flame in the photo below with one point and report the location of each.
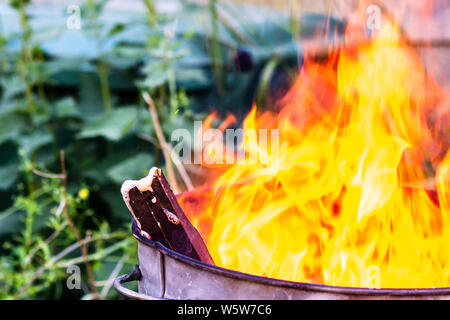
(212, 144)
(345, 195)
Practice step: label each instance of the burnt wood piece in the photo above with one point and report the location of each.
(144, 217)
(160, 217)
(163, 192)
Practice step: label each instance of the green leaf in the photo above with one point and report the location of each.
(57, 66)
(129, 51)
(193, 79)
(133, 168)
(94, 169)
(46, 31)
(112, 125)
(8, 175)
(115, 29)
(110, 194)
(12, 124)
(67, 108)
(266, 77)
(30, 143)
(90, 96)
(10, 221)
(156, 74)
(154, 80)
(12, 86)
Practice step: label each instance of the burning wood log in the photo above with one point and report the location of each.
(158, 215)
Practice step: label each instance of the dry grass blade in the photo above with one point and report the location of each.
(162, 142)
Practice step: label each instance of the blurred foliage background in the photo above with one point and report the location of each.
(74, 126)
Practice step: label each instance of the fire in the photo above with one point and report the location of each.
(212, 150)
(360, 185)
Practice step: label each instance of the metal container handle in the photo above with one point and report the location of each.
(133, 276)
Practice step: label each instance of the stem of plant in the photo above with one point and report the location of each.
(26, 57)
(151, 12)
(82, 245)
(30, 207)
(104, 84)
(52, 262)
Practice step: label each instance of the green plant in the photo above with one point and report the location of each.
(38, 261)
(50, 221)
(60, 209)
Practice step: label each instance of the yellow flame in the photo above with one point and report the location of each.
(339, 203)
